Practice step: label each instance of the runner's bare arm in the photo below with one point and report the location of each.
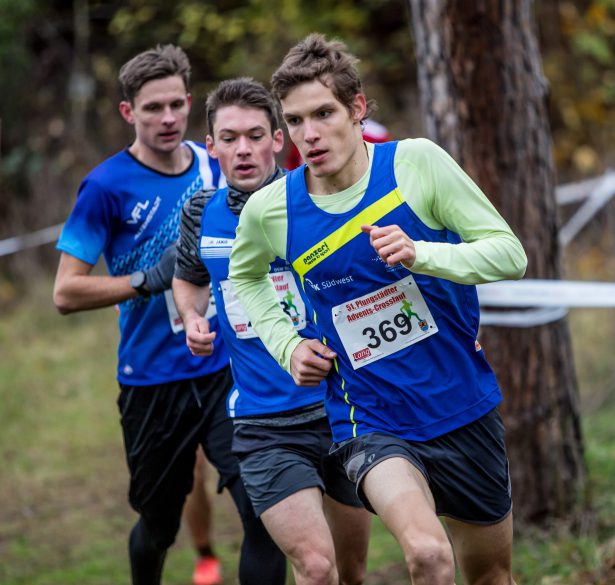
(192, 302)
(76, 289)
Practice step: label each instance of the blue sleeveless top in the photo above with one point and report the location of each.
(261, 386)
(408, 360)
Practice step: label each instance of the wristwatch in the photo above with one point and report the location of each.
(137, 281)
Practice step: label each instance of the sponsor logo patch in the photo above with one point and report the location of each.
(361, 354)
(135, 214)
(314, 286)
(316, 254)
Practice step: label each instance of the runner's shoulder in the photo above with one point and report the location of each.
(415, 149)
(193, 207)
(422, 154)
(105, 175)
(268, 199)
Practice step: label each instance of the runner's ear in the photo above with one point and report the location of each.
(211, 146)
(359, 108)
(278, 141)
(125, 108)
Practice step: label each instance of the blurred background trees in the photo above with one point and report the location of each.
(59, 63)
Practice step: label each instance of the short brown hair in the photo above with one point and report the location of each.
(244, 92)
(330, 62)
(157, 63)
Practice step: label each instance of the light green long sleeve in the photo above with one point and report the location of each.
(437, 190)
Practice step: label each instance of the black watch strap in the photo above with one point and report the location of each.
(137, 281)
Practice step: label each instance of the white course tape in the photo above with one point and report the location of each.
(17, 243)
(529, 318)
(546, 293)
(577, 192)
(544, 301)
(600, 195)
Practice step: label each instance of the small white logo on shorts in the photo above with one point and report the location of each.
(353, 466)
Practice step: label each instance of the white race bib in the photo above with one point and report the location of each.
(383, 322)
(288, 295)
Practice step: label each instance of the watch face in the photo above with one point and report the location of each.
(137, 279)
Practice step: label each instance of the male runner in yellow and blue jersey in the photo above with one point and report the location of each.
(378, 235)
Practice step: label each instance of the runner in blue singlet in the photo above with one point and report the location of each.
(281, 434)
(379, 236)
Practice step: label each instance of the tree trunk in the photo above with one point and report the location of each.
(483, 98)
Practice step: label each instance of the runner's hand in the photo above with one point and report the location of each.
(392, 244)
(310, 362)
(198, 338)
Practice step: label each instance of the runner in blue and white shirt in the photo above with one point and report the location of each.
(127, 210)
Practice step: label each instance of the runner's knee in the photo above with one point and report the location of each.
(161, 528)
(430, 560)
(316, 568)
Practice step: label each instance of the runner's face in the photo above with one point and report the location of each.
(327, 135)
(159, 114)
(244, 145)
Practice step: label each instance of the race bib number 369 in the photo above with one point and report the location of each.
(383, 322)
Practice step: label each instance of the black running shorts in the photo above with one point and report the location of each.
(466, 469)
(277, 462)
(162, 426)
